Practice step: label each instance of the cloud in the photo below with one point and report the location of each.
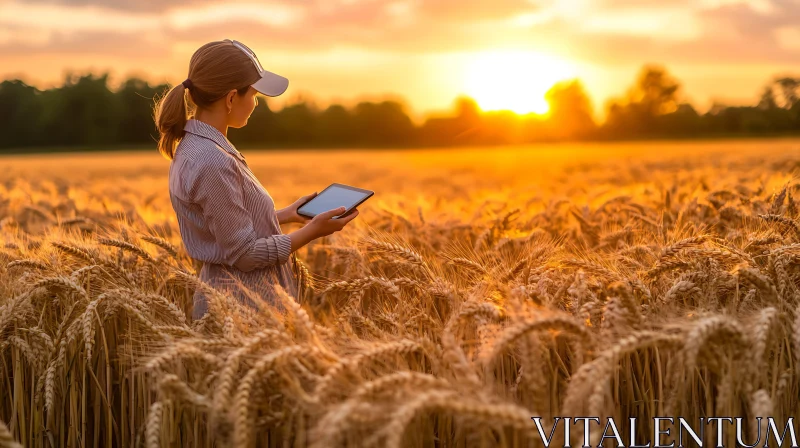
(125, 5)
(377, 36)
(342, 9)
(601, 31)
(90, 43)
(721, 32)
(475, 10)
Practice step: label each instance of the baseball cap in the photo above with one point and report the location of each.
(270, 84)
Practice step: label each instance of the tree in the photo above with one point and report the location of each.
(20, 114)
(135, 101)
(684, 121)
(336, 126)
(81, 112)
(295, 124)
(382, 123)
(654, 94)
(655, 91)
(84, 111)
(467, 110)
(767, 100)
(788, 87)
(570, 113)
(261, 129)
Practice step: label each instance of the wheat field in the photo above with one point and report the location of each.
(480, 287)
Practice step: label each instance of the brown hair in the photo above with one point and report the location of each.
(214, 70)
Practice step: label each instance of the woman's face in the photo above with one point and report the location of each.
(243, 106)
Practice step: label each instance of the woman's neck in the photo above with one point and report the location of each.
(218, 120)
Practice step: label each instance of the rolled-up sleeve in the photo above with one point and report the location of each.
(218, 191)
(273, 250)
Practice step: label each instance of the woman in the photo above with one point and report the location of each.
(227, 219)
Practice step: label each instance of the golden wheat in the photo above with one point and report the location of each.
(451, 320)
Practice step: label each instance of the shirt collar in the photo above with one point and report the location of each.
(203, 129)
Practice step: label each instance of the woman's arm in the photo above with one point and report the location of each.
(218, 191)
(267, 251)
(321, 225)
(277, 248)
(289, 214)
(283, 215)
(217, 188)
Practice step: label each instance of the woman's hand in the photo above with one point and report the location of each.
(321, 225)
(324, 223)
(289, 214)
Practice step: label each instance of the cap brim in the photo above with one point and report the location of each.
(271, 84)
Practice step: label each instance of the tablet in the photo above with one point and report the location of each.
(334, 196)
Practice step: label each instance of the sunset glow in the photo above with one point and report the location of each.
(514, 80)
(505, 53)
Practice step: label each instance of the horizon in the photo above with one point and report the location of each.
(424, 55)
(540, 106)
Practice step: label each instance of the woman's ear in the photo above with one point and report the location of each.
(229, 100)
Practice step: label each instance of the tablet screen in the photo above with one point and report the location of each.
(330, 199)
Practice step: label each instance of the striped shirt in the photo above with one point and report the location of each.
(227, 219)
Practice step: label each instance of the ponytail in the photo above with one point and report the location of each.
(171, 114)
(214, 70)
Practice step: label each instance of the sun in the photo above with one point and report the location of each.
(514, 80)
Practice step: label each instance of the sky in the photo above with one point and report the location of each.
(425, 53)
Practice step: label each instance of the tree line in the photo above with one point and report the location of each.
(86, 112)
